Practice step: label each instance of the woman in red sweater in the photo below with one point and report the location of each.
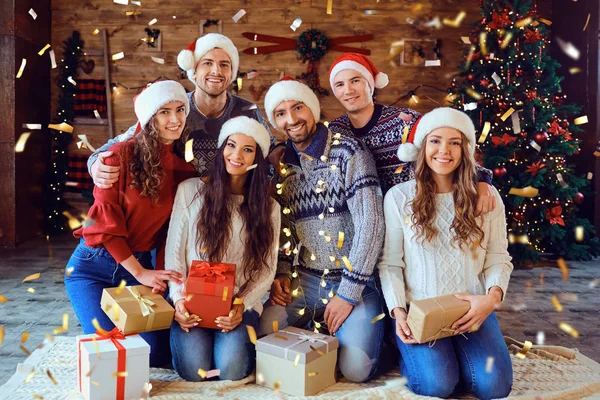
(130, 219)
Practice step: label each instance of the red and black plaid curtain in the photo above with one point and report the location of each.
(78, 177)
(90, 96)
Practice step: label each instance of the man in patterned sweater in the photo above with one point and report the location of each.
(211, 63)
(353, 78)
(330, 192)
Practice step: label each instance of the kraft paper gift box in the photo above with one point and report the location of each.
(301, 362)
(432, 319)
(112, 366)
(209, 290)
(135, 309)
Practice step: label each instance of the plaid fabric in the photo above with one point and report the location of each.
(90, 96)
(78, 177)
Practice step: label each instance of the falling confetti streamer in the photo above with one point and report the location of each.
(3, 299)
(118, 56)
(202, 373)
(296, 24)
(52, 59)
(121, 286)
(507, 114)
(329, 9)
(347, 263)
(483, 42)
(484, 133)
(275, 325)
(189, 150)
(72, 81)
(99, 329)
(474, 94)
(20, 146)
(581, 120)
(123, 374)
(526, 346)
(251, 334)
(540, 338)
(370, 12)
(22, 68)
(43, 50)
(123, 2)
(587, 21)
(51, 377)
(569, 329)
(579, 233)
(152, 22)
(61, 127)
(31, 277)
(31, 290)
(563, 268)
(238, 15)
(524, 192)
(568, 48)
(297, 360)
(455, 23)
(34, 14)
(489, 365)
(507, 38)
(523, 22)
(340, 241)
(378, 318)
(28, 378)
(158, 60)
(556, 304)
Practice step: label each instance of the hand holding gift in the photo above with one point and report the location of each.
(481, 308)
(231, 321)
(183, 317)
(402, 329)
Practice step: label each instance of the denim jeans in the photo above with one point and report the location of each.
(94, 270)
(233, 353)
(459, 362)
(359, 340)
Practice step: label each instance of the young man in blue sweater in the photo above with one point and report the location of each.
(329, 190)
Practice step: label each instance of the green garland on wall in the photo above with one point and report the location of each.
(59, 162)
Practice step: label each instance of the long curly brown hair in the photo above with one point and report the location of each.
(465, 226)
(214, 220)
(144, 168)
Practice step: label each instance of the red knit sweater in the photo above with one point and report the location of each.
(123, 220)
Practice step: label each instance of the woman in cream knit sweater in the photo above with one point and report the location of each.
(227, 217)
(435, 245)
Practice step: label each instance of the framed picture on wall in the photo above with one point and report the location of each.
(153, 40)
(418, 51)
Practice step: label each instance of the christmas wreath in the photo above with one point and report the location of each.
(312, 45)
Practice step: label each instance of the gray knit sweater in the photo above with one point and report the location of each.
(329, 188)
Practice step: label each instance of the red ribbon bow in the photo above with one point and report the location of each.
(216, 270)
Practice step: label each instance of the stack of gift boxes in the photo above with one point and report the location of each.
(294, 361)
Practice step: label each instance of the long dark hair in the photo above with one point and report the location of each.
(214, 220)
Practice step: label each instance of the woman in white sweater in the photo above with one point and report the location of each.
(227, 217)
(435, 245)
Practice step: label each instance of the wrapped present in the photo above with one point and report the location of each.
(135, 309)
(112, 366)
(209, 290)
(432, 319)
(299, 362)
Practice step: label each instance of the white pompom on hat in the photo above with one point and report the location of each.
(188, 58)
(437, 118)
(249, 127)
(151, 99)
(363, 65)
(290, 89)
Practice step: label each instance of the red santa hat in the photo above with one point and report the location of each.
(156, 95)
(189, 57)
(290, 89)
(249, 127)
(437, 118)
(363, 65)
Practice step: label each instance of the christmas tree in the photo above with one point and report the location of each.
(509, 87)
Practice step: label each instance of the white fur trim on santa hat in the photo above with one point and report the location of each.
(188, 59)
(438, 118)
(378, 82)
(249, 127)
(291, 90)
(157, 95)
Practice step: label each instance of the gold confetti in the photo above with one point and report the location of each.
(20, 146)
(118, 56)
(95, 383)
(61, 127)
(474, 94)
(556, 304)
(329, 9)
(524, 350)
(1, 334)
(579, 233)
(89, 373)
(399, 169)
(251, 333)
(51, 377)
(121, 286)
(275, 325)
(319, 352)
(340, 241)
(378, 318)
(545, 21)
(225, 290)
(347, 263)
(563, 268)
(484, 132)
(152, 22)
(31, 290)
(238, 301)
(507, 114)
(311, 374)
(202, 373)
(587, 21)
(29, 377)
(569, 329)
(3, 299)
(489, 364)
(22, 68)
(69, 271)
(99, 329)
(24, 350)
(297, 360)
(37, 396)
(24, 337)
(523, 22)
(123, 374)
(276, 386)
(97, 348)
(43, 50)
(455, 23)
(96, 31)
(524, 192)
(116, 313)
(483, 42)
(581, 120)
(506, 41)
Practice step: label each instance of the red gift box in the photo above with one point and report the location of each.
(209, 291)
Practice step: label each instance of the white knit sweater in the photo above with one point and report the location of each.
(181, 248)
(412, 270)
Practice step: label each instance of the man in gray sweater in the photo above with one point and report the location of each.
(211, 63)
(329, 191)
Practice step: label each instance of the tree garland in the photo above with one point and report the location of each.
(57, 175)
(312, 45)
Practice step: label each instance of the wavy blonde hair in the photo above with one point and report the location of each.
(145, 168)
(465, 225)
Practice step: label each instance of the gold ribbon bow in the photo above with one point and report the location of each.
(145, 304)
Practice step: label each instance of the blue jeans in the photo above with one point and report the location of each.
(359, 340)
(94, 270)
(233, 353)
(456, 362)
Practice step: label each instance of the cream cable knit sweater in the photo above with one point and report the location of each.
(181, 245)
(411, 270)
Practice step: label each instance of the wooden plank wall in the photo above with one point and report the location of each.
(271, 17)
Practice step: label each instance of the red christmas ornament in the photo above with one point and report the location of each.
(502, 105)
(470, 77)
(531, 95)
(500, 172)
(565, 124)
(558, 99)
(518, 72)
(577, 152)
(538, 72)
(518, 216)
(540, 137)
(578, 198)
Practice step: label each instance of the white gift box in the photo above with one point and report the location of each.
(114, 367)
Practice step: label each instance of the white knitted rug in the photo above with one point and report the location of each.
(548, 372)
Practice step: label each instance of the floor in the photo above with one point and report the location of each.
(527, 311)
